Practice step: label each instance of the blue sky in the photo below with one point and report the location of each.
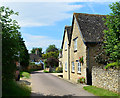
(42, 21)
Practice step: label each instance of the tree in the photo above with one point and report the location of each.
(24, 56)
(39, 49)
(11, 43)
(51, 48)
(112, 34)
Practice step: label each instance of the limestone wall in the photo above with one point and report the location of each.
(109, 79)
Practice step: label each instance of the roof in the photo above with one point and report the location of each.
(68, 29)
(91, 26)
(34, 57)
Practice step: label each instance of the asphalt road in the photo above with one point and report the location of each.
(45, 84)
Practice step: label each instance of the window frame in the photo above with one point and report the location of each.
(75, 44)
(73, 67)
(65, 45)
(65, 66)
(79, 67)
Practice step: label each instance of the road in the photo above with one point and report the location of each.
(45, 84)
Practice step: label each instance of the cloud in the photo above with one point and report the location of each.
(41, 14)
(60, 0)
(39, 41)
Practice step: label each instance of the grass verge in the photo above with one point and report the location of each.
(99, 91)
(11, 88)
(25, 75)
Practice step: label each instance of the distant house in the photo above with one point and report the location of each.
(83, 39)
(35, 57)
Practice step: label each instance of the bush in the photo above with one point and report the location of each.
(59, 69)
(113, 64)
(46, 71)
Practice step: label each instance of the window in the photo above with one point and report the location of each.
(66, 45)
(73, 67)
(75, 44)
(79, 67)
(65, 66)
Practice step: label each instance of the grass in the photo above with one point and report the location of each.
(11, 88)
(99, 91)
(25, 75)
(46, 71)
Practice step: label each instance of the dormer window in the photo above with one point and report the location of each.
(66, 45)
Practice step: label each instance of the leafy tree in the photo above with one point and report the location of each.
(51, 48)
(50, 54)
(34, 49)
(24, 56)
(112, 34)
(11, 43)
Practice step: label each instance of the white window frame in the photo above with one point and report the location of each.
(65, 66)
(79, 67)
(66, 45)
(75, 44)
(73, 67)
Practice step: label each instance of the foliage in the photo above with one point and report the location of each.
(12, 44)
(24, 56)
(81, 80)
(25, 75)
(113, 64)
(99, 91)
(46, 71)
(50, 54)
(52, 62)
(34, 49)
(81, 59)
(12, 88)
(112, 34)
(51, 48)
(59, 69)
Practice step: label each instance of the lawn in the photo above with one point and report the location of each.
(25, 75)
(99, 91)
(11, 88)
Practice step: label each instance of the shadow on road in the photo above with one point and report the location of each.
(51, 96)
(34, 72)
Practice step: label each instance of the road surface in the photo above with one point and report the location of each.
(45, 84)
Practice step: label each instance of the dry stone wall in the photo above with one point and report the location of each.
(109, 79)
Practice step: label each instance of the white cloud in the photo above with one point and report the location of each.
(60, 0)
(41, 14)
(39, 41)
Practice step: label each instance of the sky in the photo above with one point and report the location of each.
(42, 22)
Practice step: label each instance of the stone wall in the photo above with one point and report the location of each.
(109, 79)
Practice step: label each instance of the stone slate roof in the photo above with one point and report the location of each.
(34, 57)
(68, 29)
(91, 26)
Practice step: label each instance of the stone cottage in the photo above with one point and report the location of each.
(64, 56)
(83, 40)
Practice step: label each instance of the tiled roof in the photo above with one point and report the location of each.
(91, 26)
(34, 57)
(68, 29)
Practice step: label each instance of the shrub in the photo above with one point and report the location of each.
(113, 64)
(59, 69)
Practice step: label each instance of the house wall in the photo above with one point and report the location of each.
(65, 57)
(81, 51)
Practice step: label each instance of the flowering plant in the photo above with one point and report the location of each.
(81, 59)
(81, 80)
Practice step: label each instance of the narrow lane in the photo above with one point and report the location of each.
(45, 84)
